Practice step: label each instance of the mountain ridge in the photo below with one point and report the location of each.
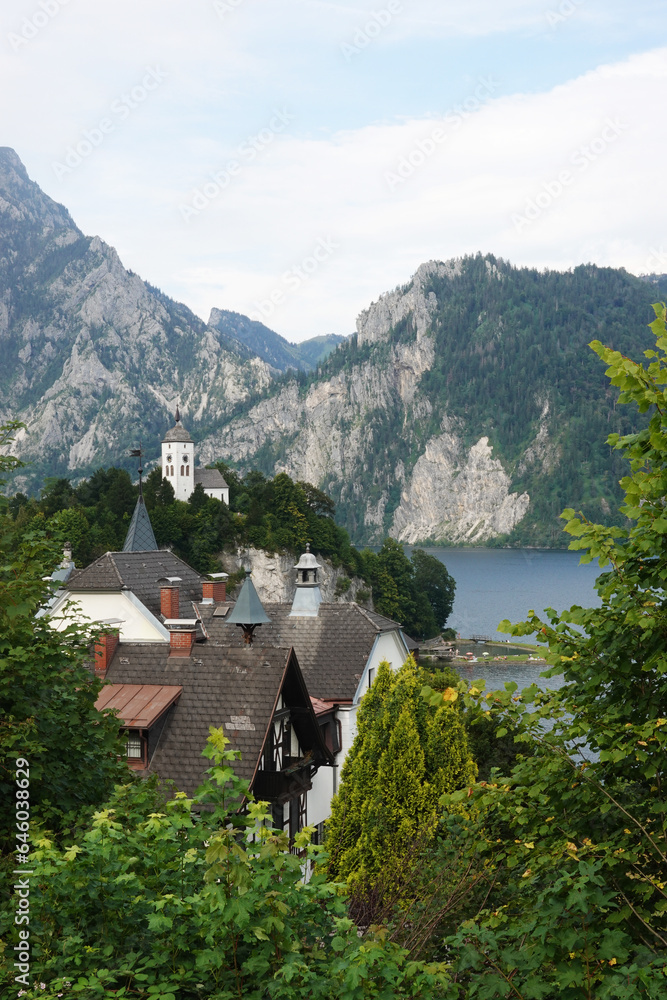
(465, 409)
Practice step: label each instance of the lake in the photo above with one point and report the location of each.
(492, 584)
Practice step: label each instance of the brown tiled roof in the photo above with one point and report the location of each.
(138, 572)
(332, 649)
(138, 705)
(236, 688)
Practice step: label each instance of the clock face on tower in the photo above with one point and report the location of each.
(169, 458)
(185, 458)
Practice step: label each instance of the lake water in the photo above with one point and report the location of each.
(492, 584)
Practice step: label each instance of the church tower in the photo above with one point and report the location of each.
(178, 459)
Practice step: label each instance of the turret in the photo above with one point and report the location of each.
(308, 596)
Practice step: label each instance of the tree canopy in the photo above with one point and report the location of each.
(574, 835)
(192, 898)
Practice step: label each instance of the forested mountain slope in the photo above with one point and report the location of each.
(468, 407)
(270, 346)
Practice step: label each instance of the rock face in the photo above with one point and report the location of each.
(275, 580)
(325, 435)
(94, 359)
(457, 496)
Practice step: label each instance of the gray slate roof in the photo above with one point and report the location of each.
(332, 649)
(211, 479)
(140, 537)
(234, 688)
(138, 572)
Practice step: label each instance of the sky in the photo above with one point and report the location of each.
(292, 160)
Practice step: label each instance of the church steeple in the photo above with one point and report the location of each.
(178, 459)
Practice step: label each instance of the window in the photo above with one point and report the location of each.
(371, 676)
(134, 747)
(182, 467)
(187, 470)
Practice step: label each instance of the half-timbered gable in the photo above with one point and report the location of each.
(167, 701)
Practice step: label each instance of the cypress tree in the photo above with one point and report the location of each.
(404, 757)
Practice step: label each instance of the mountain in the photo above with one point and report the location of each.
(94, 358)
(270, 346)
(468, 408)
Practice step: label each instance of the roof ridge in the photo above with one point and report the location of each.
(116, 570)
(367, 614)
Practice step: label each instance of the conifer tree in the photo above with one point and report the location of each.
(404, 757)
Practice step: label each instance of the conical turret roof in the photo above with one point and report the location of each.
(248, 609)
(140, 537)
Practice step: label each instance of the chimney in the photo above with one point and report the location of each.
(105, 647)
(181, 637)
(169, 596)
(214, 590)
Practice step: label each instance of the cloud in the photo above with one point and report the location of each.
(227, 76)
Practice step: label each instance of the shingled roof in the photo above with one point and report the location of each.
(210, 479)
(234, 688)
(138, 572)
(332, 649)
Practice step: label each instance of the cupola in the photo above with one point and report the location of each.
(308, 596)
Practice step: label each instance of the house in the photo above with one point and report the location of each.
(175, 664)
(339, 648)
(123, 587)
(168, 696)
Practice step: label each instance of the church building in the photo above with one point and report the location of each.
(178, 466)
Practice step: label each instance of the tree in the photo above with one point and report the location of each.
(47, 695)
(432, 579)
(405, 756)
(575, 835)
(417, 592)
(183, 899)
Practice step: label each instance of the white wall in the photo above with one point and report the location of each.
(137, 622)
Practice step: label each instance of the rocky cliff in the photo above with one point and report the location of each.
(274, 578)
(467, 409)
(94, 359)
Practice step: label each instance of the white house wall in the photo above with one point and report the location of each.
(137, 624)
(388, 646)
(320, 795)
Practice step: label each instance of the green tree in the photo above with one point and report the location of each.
(183, 899)
(575, 835)
(405, 756)
(47, 695)
(432, 579)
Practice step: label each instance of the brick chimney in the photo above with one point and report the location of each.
(105, 647)
(214, 590)
(169, 596)
(181, 639)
